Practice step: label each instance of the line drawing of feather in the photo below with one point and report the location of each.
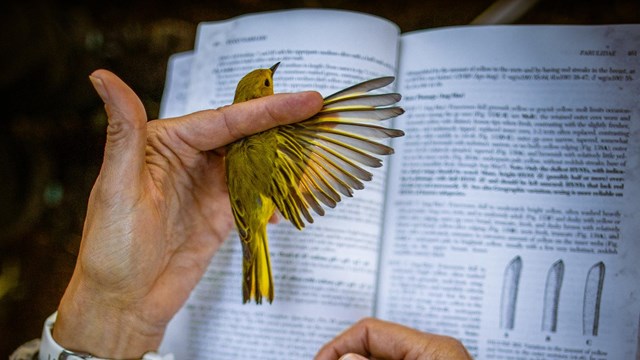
(592, 297)
(551, 298)
(510, 293)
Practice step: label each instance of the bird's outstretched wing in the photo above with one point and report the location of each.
(322, 158)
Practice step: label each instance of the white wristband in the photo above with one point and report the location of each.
(51, 350)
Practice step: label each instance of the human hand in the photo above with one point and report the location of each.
(157, 213)
(376, 339)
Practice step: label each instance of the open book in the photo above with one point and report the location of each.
(508, 217)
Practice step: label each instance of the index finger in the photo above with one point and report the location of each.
(211, 129)
(386, 340)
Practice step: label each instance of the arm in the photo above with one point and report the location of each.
(157, 213)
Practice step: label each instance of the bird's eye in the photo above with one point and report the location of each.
(266, 83)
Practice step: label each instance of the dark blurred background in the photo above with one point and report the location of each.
(52, 124)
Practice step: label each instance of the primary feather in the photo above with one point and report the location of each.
(301, 167)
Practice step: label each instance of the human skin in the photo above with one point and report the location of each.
(377, 339)
(157, 213)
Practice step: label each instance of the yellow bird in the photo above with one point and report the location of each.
(299, 166)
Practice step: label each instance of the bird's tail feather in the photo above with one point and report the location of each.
(257, 280)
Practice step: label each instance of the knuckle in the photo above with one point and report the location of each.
(366, 322)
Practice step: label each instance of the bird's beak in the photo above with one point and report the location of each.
(274, 67)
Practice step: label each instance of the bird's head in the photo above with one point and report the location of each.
(257, 83)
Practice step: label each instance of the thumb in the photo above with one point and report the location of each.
(124, 152)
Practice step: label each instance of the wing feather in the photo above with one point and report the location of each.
(360, 88)
(313, 188)
(357, 114)
(317, 184)
(332, 177)
(322, 158)
(358, 101)
(356, 127)
(347, 139)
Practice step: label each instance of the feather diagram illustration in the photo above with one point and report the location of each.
(592, 296)
(551, 298)
(510, 293)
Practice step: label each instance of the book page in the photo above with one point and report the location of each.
(512, 215)
(322, 50)
(174, 97)
(174, 103)
(324, 275)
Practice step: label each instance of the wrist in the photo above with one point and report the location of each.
(88, 322)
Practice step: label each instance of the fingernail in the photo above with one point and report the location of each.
(352, 356)
(99, 86)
